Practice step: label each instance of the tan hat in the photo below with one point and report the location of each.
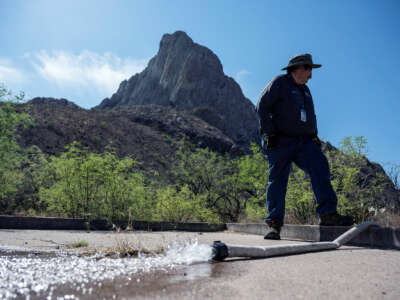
(302, 59)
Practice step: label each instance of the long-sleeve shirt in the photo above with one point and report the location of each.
(279, 109)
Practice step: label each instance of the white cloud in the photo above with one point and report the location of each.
(86, 70)
(241, 74)
(10, 74)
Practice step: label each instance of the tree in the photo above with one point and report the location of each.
(253, 178)
(358, 191)
(91, 185)
(11, 156)
(33, 165)
(300, 203)
(180, 204)
(225, 184)
(394, 174)
(355, 147)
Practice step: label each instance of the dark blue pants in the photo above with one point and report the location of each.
(308, 156)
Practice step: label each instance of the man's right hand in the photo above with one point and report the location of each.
(316, 140)
(270, 142)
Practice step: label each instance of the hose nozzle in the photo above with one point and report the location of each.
(220, 251)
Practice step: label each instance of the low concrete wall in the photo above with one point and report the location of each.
(158, 226)
(13, 222)
(373, 237)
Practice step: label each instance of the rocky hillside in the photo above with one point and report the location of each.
(189, 77)
(146, 133)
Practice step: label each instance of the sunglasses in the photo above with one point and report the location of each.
(307, 67)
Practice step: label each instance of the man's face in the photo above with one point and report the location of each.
(303, 74)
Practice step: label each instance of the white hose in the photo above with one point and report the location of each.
(222, 250)
(353, 232)
(248, 251)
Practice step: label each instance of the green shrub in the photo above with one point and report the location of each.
(182, 205)
(11, 156)
(90, 185)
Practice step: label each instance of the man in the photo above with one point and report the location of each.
(289, 133)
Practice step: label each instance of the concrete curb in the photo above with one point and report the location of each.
(14, 222)
(373, 237)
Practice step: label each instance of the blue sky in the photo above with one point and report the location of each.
(82, 50)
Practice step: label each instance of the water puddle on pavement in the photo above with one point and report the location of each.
(39, 275)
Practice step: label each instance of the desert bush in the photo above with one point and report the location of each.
(91, 185)
(224, 184)
(180, 204)
(11, 155)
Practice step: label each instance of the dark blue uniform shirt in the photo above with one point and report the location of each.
(279, 109)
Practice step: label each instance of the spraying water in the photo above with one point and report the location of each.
(20, 276)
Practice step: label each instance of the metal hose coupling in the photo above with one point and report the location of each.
(219, 251)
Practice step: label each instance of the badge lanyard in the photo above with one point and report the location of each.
(303, 114)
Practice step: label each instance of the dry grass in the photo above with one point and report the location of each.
(78, 244)
(123, 248)
(292, 219)
(126, 248)
(387, 219)
(289, 219)
(250, 220)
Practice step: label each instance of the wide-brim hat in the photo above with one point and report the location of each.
(302, 59)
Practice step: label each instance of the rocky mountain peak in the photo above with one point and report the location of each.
(187, 76)
(179, 39)
(178, 43)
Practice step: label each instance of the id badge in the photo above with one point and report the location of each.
(303, 115)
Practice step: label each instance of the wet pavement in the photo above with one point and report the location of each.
(42, 274)
(43, 265)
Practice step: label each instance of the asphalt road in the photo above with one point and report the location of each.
(346, 273)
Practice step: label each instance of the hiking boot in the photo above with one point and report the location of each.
(274, 230)
(334, 219)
